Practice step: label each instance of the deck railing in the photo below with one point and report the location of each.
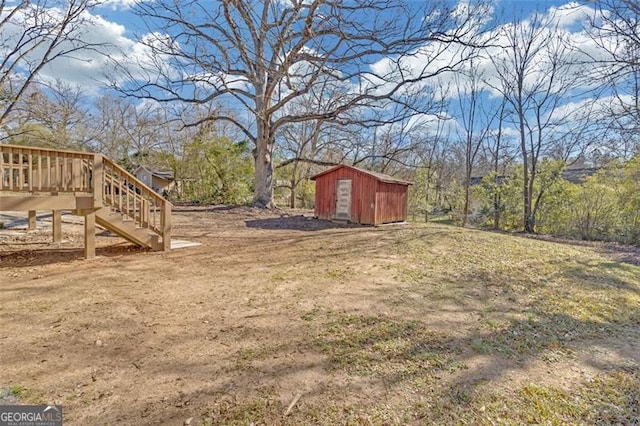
(27, 169)
(39, 170)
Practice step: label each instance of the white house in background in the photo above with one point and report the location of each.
(158, 180)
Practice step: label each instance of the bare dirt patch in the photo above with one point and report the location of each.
(397, 324)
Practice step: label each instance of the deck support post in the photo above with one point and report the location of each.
(165, 220)
(98, 180)
(31, 223)
(57, 225)
(89, 234)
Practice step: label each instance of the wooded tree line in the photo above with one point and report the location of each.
(245, 100)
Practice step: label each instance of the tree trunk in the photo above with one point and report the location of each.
(530, 216)
(467, 193)
(496, 191)
(426, 203)
(294, 183)
(263, 190)
(496, 170)
(292, 199)
(526, 196)
(527, 219)
(263, 183)
(530, 225)
(496, 211)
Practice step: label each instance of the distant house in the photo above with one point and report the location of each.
(579, 174)
(575, 175)
(158, 180)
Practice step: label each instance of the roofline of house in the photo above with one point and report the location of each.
(153, 173)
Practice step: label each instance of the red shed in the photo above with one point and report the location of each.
(360, 196)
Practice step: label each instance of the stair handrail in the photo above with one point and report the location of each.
(131, 177)
(101, 166)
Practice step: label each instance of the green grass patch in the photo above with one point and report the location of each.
(383, 346)
(606, 399)
(19, 391)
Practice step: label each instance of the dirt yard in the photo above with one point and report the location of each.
(278, 318)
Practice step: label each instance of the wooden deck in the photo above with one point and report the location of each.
(89, 185)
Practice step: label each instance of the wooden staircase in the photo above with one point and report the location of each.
(119, 224)
(89, 185)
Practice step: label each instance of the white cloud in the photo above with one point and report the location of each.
(570, 14)
(509, 131)
(119, 4)
(217, 80)
(149, 105)
(433, 124)
(592, 108)
(292, 3)
(90, 69)
(566, 23)
(85, 67)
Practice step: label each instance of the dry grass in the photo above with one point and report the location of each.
(400, 325)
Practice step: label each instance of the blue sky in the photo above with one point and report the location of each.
(118, 26)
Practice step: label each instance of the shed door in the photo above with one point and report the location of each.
(343, 200)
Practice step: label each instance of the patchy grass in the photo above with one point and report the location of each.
(536, 304)
(418, 324)
(385, 347)
(19, 391)
(605, 399)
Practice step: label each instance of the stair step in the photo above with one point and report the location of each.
(128, 229)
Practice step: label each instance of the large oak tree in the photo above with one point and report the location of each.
(260, 56)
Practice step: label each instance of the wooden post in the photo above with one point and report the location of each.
(57, 226)
(2, 181)
(98, 180)
(31, 223)
(89, 234)
(165, 221)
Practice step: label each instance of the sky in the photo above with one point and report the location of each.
(117, 25)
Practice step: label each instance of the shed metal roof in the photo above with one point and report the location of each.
(379, 176)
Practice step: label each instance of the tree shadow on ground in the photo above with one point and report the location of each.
(299, 223)
(623, 253)
(384, 352)
(194, 208)
(597, 275)
(406, 353)
(41, 257)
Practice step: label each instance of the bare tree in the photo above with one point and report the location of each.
(433, 170)
(499, 151)
(476, 122)
(134, 134)
(34, 34)
(262, 55)
(535, 76)
(393, 140)
(302, 147)
(615, 28)
(52, 115)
